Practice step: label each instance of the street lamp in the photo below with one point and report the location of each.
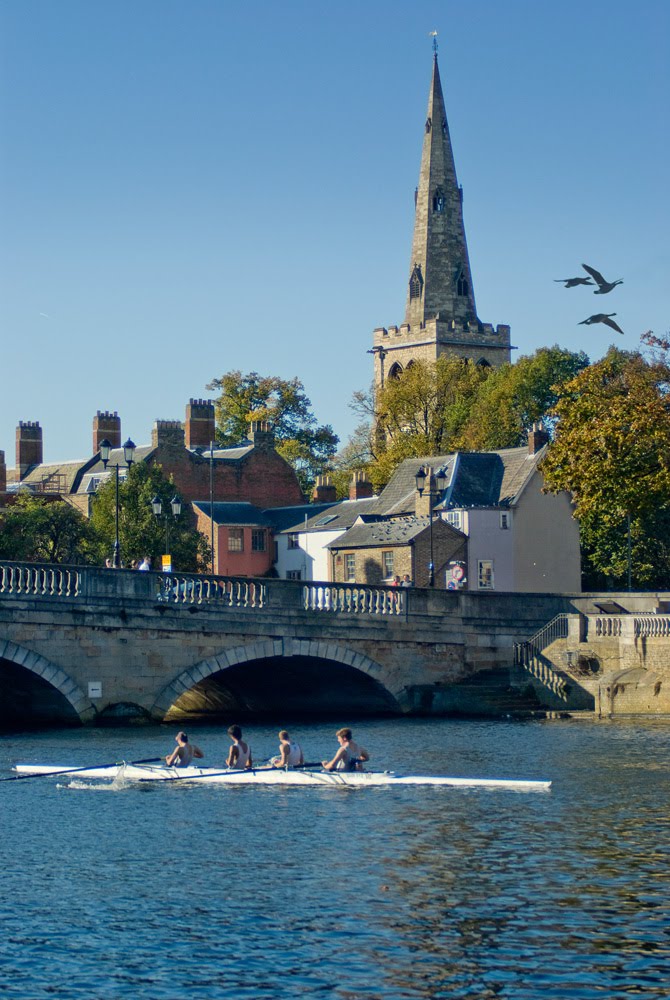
(128, 456)
(157, 508)
(435, 487)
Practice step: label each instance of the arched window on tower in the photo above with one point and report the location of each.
(438, 200)
(395, 370)
(483, 363)
(462, 286)
(416, 283)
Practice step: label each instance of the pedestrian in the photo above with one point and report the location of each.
(145, 565)
(406, 581)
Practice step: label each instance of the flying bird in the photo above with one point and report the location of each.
(603, 286)
(602, 318)
(571, 282)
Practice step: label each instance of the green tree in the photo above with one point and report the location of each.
(140, 532)
(35, 529)
(611, 451)
(514, 397)
(306, 445)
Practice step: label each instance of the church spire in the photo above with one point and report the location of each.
(440, 282)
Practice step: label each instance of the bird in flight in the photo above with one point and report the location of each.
(602, 318)
(603, 286)
(572, 282)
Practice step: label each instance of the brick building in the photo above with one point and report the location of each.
(252, 472)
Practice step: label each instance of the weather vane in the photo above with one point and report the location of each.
(433, 35)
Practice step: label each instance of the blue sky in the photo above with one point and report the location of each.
(189, 188)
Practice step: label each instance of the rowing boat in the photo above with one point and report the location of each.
(274, 776)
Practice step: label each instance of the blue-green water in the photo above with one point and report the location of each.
(174, 891)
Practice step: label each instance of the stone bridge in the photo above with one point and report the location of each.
(88, 645)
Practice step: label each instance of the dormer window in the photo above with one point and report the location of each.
(462, 286)
(438, 201)
(416, 283)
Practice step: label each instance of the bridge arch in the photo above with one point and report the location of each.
(296, 652)
(24, 703)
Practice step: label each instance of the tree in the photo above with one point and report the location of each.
(140, 532)
(35, 529)
(611, 451)
(306, 445)
(514, 397)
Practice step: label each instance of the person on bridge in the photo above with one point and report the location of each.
(290, 753)
(350, 756)
(183, 753)
(239, 755)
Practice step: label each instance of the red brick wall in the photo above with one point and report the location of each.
(262, 478)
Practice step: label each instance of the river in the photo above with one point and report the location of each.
(175, 891)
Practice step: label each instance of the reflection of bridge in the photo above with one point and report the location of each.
(84, 644)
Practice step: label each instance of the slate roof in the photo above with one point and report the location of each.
(55, 477)
(388, 532)
(475, 479)
(341, 515)
(234, 513)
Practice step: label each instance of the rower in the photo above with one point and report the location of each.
(239, 755)
(183, 753)
(290, 752)
(349, 757)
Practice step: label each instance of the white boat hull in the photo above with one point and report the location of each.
(274, 776)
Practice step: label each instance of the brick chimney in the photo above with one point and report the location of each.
(3, 473)
(106, 426)
(200, 424)
(360, 486)
(167, 434)
(28, 446)
(537, 438)
(262, 435)
(323, 491)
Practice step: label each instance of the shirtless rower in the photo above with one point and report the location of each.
(349, 757)
(183, 753)
(239, 755)
(290, 752)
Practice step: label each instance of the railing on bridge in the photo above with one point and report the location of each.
(529, 655)
(353, 599)
(178, 589)
(35, 580)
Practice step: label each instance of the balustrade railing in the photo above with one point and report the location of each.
(607, 625)
(355, 600)
(237, 592)
(34, 580)
(652, 626)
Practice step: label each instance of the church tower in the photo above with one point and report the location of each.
(440, 315)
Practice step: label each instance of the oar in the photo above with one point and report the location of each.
(73, 770)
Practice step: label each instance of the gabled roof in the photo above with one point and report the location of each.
(474, 479)
(368, 533)
(234, 513)
(340, 515)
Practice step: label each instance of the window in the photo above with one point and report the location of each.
(294, 541)
(236, 539)
(387, 563)
(438, 201)
(505, 520)
(455, 519)
(416, 283)
(258, 540)
(293, 574)
(350, 567)
(485, 574)
(462, 286)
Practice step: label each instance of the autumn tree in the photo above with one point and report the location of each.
(308, 446)
(611, 451)
(35, 529)
(140, 532)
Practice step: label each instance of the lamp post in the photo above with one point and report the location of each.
(435, 487)
(128, 456)
(157, 508)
